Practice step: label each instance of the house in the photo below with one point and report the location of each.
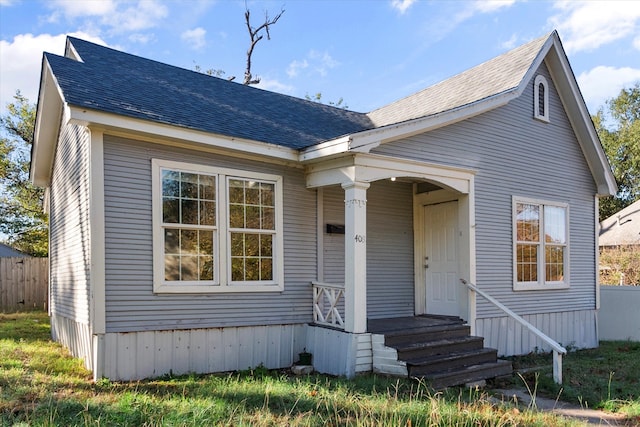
(620, 247)
(199, 225)
(621, 228)
(7, 251)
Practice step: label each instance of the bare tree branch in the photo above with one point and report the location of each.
(255, 37)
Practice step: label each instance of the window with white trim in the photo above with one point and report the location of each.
(541, 98)
(216, 229)
(541, 244)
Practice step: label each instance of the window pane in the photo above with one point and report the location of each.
(205, 240)
(237, 269)
(252, 193)
(268, 219)
(207, 187)
(236, 191)
(527, 263)
(207, 213)
(252, 245)
(266, 269)
(189, 268)
(189, 211)
(266, 245)
(189, 185)
(171, 267)
(252, 269)
(541, 99)
(170, 183)
(170, 210)
(236, 216)
(206, 268)
(266, 194)
(237, 244)
(555, 225)
(253, 217)
(528, 222)
(554, 264)
(188, 242)
(171, 241)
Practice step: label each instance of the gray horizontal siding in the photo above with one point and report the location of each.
(390, 279)
(517, 155)
(130, 302)
(69, 250)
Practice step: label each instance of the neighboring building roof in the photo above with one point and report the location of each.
(496, 76)
(7, 251)
(621, 228)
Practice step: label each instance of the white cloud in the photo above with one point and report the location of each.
(295, 66)
(275, 86)
(585, 26)
(195, 37)
(488, 6)
(602, 82)
(402, 5)
(118, 16)
(636, 43)
(21, 62)
(511, 43)
(316, 62)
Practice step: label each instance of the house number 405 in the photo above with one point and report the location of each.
(360, 238)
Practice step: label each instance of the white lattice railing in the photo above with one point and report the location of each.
(328, 301)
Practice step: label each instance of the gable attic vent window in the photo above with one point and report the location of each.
(541, 99)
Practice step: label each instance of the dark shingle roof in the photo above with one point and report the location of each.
(116, 82)
(8, 251)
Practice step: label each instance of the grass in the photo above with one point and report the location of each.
(41, 385)
(604, 378)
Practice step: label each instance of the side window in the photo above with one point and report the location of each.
(541, 244)
(541, 99)
(216, 230)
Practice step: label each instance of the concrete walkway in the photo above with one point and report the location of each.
(589, 416)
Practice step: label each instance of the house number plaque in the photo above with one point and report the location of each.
(360, 238)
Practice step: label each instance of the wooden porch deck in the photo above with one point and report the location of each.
(398, 324)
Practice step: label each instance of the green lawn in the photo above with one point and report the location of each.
(41, 385)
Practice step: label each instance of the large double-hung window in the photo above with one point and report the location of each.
(541, 244)
(216, 229)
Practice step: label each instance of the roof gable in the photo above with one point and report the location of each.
(499, 75)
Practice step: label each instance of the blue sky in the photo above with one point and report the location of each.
(368, 52)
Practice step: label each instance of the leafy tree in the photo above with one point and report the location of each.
(618, 125)
(318, 98)
(23, 220)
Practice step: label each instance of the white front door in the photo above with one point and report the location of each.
(441, 237)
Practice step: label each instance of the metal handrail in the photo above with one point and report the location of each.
(558, 350)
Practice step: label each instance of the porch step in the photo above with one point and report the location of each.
(422, 349)
(441, 350)
(450, 361)
(425, 334)
(468, 374)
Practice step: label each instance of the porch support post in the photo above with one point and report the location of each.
(355, 253)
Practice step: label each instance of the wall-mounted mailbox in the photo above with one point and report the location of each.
(335, 229)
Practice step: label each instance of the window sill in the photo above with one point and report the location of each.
(540, 286)
(215, 289)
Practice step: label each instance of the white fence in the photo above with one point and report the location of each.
(619, 316)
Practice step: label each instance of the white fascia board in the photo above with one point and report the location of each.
(47, 126)
(581, 122)
(369, 167)
(365, 141)
(160, 131)
(326, 149)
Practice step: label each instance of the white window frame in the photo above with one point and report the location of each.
(541, 80)
(222, 257)
(541, 284)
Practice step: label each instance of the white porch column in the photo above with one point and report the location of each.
(355, 253)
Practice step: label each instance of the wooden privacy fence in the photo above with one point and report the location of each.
(24, 283)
